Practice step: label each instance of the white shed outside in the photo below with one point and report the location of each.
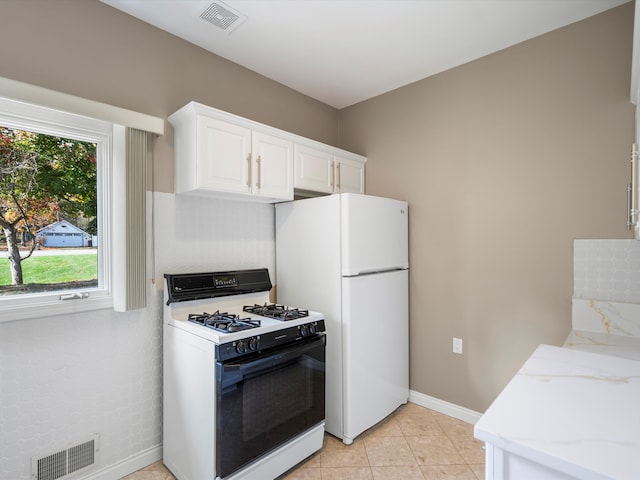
(63, 234)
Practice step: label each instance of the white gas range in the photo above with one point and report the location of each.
(244, 379)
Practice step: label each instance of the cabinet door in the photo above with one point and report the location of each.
(504, 465)
(272, 175)
(313, 170)
(349, 176)
(224, 156)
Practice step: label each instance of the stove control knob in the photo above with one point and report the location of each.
(304, 330)
(253, 344)
(241, 346)
(312, 329)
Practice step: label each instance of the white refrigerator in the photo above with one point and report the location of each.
(346, 256)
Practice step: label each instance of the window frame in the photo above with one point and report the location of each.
(35, 118)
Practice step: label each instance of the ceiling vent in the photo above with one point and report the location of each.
(223, 17)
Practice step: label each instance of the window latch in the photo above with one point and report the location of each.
(74, 296)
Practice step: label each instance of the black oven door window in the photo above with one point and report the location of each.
(265, 400)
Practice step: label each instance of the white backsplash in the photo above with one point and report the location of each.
(606, 294)
(607, 270)
(196, 234)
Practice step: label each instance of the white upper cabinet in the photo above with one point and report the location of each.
(322, 171)
(349, 175)
(313, 170)
(272, 174)
(220, 154)
(222, 160)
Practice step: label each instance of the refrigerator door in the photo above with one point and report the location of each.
(374, 234)
(375, 348)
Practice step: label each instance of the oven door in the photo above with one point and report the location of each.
(267, 399)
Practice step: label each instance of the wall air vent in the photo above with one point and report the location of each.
(223, 16)
(64, 463)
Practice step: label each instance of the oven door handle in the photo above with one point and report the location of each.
(231, 373)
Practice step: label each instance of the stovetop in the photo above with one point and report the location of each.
(226, 307)
(226, 322)
(252, 325)
(223, 321)
(279, 312)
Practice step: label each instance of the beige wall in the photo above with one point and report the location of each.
(89, 49)
(504, 161)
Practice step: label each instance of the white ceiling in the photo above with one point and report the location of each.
(344, 51)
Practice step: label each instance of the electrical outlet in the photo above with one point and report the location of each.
(457, 345)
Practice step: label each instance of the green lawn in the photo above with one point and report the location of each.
(52, 269)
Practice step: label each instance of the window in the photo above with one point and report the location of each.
(48, 211)
(31, 301)
(121, 138)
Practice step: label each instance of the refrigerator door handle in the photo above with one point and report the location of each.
(374, 271)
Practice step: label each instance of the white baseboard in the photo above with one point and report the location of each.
(451, 409)
(127, 466)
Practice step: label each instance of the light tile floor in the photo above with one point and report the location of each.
(413, 443)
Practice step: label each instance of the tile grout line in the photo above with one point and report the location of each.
(413, 452)
(456, 447)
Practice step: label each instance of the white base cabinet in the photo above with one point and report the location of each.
(567, 414)
(220, 154)
(502, 465)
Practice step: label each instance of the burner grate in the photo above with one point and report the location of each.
(223, 321)
(278, 312)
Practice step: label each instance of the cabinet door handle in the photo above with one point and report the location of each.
(259, 164)
(249, 171)
(632, 199)
(333, 175)
(339, 179)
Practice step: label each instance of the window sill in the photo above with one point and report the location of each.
(51, 305)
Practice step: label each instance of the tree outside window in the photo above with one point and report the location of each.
(44, 179)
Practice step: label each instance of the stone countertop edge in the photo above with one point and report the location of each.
(574, 411)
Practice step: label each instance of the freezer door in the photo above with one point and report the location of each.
(374, 234)
(375, 348)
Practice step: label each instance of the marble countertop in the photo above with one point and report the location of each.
(616, 345)
(574, 411)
